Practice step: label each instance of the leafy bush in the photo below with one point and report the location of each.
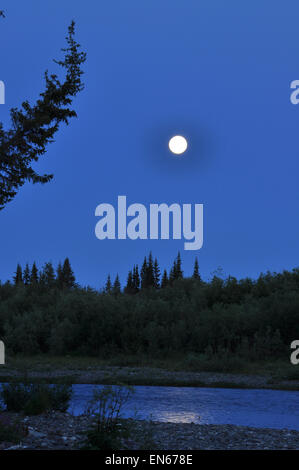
(35, 399)
(60, 397)
(106, 408)
(14, 396)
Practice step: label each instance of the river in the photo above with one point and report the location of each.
(257, 408)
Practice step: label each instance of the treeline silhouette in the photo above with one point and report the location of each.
(223, 320)
(63, 277)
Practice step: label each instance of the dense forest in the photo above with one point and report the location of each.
(156, 314)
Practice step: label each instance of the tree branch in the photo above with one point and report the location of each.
(34, 127)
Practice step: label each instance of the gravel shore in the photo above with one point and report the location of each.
(149, 376)
(65, 431)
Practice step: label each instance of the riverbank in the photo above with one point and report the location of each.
(276, 376)
(62, 431)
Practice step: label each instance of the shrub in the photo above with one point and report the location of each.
(106, 407)
(14, 396)
(35, 399)
(60, 397)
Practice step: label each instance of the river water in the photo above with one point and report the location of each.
(257, 408)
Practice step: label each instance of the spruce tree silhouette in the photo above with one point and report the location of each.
(108, 285)
(68, 278)
(49, 274)
(116, 286)
(26, 275)
(196, 270)
(34, 275)
(18, 278)
(34, 127)
(136, 279)
(164, 282)
(156, 274)
(129, 289)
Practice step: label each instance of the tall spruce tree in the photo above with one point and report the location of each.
(59, 277)
(147, 272)
(150, 275)
(164, 282)
(196, 270)
(68, 277)
(172, 273)
(176, 270)
(18, 278)
(129, 289)
(136, 279)
(41, 278)
(34, 127)
(49, 274)
(108, 285)
(26, 275)
(178, 267)
(143, 274)
(116, 286)
(34, 277)
(156, 274)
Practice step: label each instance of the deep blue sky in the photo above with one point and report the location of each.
(218, 72)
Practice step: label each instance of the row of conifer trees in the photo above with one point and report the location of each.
(62, 278)
(149, 276)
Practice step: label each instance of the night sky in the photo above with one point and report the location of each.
(217, 72)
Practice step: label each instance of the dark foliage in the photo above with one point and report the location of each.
(34, 127)
(34, 399)
(251, 319)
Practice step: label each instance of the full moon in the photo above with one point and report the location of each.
(178, 144)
